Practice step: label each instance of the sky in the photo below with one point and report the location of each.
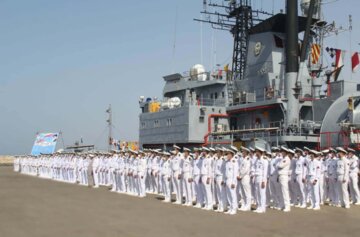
(63, 62)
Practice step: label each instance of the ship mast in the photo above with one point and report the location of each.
(109, 121)
(236, 16)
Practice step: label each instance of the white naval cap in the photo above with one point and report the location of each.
(244, 149)
(306, 148)
(299, 150)
(340, 149)
(275, 148)
(176, 147)
(284, 149)
(212, 149)
(268, 153)
(230, 151)
(166, 153)
(252, 149)
(332, 150)
(326, 151)
(205, 149)
(314, 152)
(291, 151)
(234, 148)
(351, 150)
(257, 148)
(186, 149)
(196, 149)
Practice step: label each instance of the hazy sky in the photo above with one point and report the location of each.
(62, 62)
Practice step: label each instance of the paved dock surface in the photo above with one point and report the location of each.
(31, 206)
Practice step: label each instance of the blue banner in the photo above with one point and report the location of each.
(45, 143)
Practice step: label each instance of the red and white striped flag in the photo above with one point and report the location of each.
(315, 53)
(355, 61)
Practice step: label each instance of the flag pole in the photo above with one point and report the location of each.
(350, 39)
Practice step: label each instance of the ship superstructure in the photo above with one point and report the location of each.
(182, 117)
(278, 95)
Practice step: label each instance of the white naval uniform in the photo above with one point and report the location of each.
(121, 175)
(342, 172)
(260, 176)
(313, 176)
(206, 173)
(142, 176)
(274, 185)
(95, 169)
(176, 173)
(197, 184)
(187, 179)
(300, 177)
(353, 179)
(219, 170)
(331, 177)
(231, 173)
(155, 174)
(165, 173)
(283, 167)
(245, 183)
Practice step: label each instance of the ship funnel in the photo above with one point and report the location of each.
(292, 63)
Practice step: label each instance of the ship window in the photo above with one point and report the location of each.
(278, 42)
(211, 96)
(169, 122)
(156, 123)
(201, 119)
(216, 95)
(223, 94)
(358, 87)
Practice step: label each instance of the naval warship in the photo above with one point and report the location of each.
(278, 90)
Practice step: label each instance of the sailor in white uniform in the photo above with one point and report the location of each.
(354, 176)
(230, 174)
(244, 177)
(283, 167)
(197, 163)
(260, 178)
(206, 176)
(187, 179)
(313, 176)
(219, 170)
(141, 174)
(300, 177)
(165, 174)
(176, 173)
(342, 172)
(330, 176)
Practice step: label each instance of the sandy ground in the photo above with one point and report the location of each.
(31, 206)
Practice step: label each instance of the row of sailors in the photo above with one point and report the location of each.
(222, 177)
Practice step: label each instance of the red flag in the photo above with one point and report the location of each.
(339, 62)
(355, 61)
(339, 59)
